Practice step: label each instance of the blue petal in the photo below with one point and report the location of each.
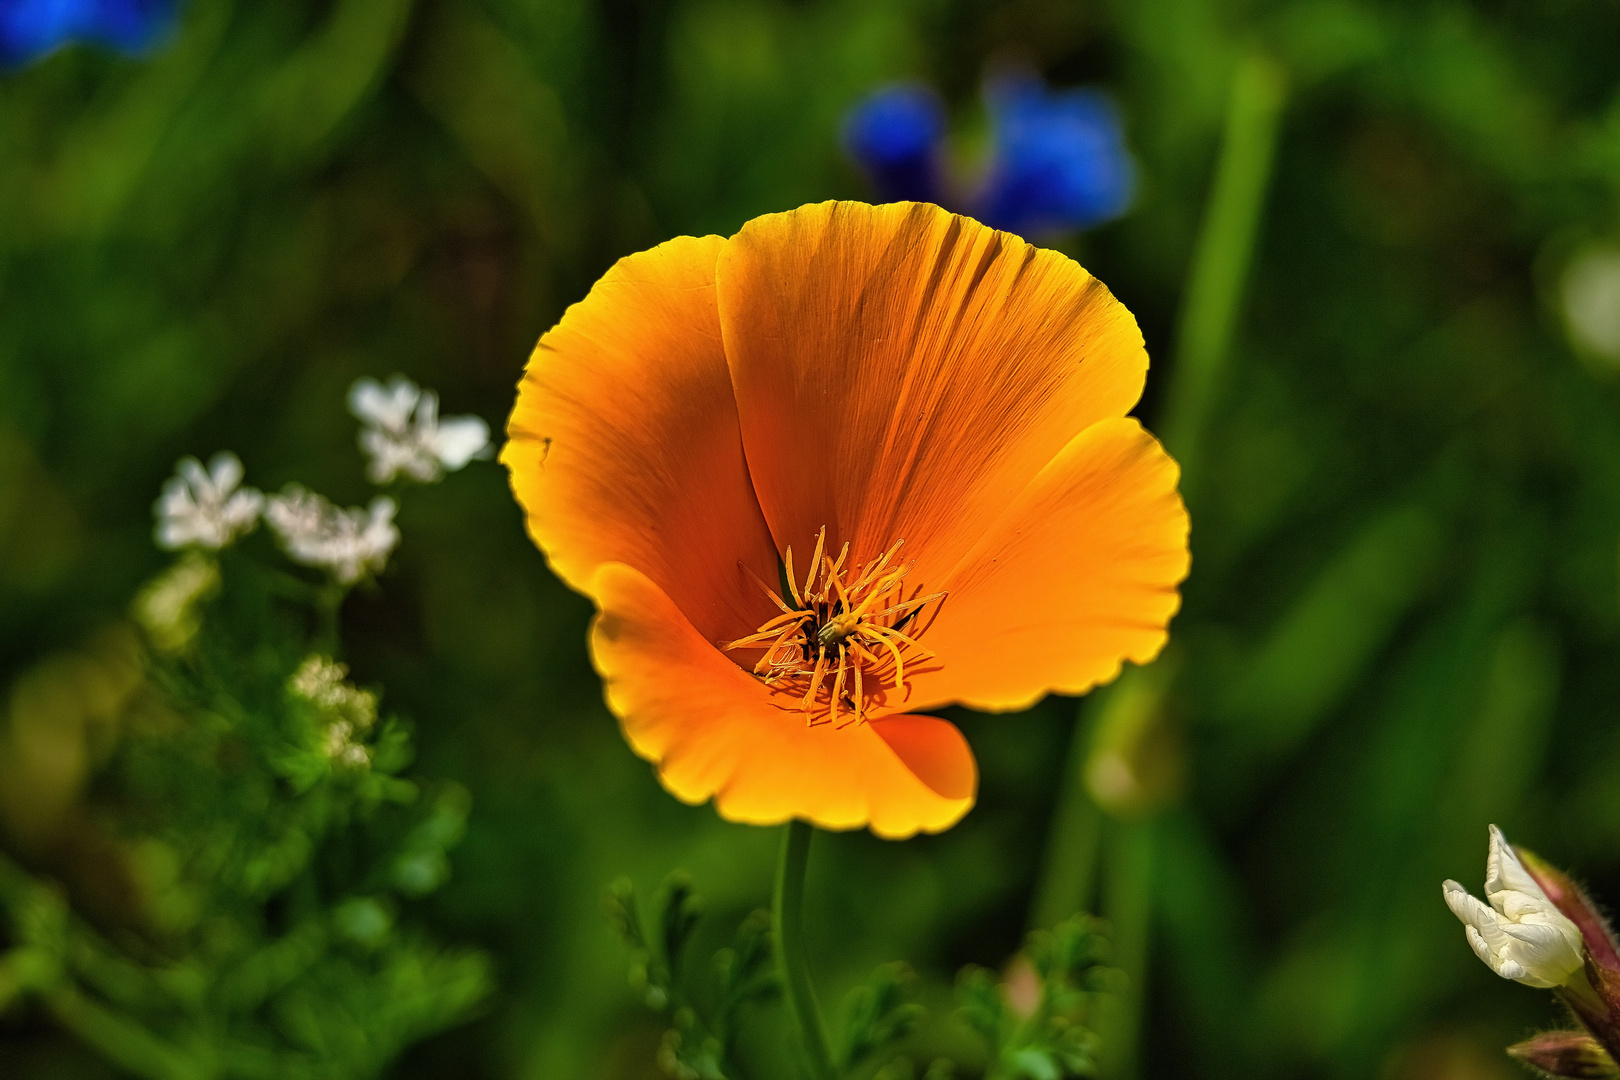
(1060, 159)
(895, 134)
(29, 29)
(32, 28)
(130, 26)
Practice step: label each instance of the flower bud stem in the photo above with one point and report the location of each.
(787, 910)
(1589, 1007)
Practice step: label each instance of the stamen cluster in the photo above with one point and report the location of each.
(842, 642)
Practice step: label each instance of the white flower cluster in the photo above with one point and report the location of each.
(354, 711)
(403, 432)
(345, 543)
(1522, 935)
(206, 508)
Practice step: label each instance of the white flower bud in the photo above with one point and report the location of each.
(1521, 935)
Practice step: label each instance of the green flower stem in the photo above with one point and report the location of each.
(120, 1039)
(328, 612)
(787, 910)
(1069, 868)
(1127, 900)
(1220, 266)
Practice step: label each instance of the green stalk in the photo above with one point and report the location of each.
(1070, 866)
(1220, 267)
(1210, 307)
(328, 617)
(1127, 902)
(792, 957)
(120, 1039)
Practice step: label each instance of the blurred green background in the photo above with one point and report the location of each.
(1403, 620)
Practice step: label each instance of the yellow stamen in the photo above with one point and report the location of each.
(770, 592)
(815, 560)
(838, 685)
(841, 638)
(793, 586)
(815, 683)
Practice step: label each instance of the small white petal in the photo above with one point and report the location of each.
(203, 507)
(345, 543)
(459, 440)
(386, 407)
(1465, 905)
(192, 472)
(403, 434)
(1511, 969)
(225, 471)
(1505, 873)
(365, 399)
(1476, 941)
(175, 498)
(427, 411)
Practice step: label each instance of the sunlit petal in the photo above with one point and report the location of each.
(901, 372)
(625, 447)
(1078, 575)
(716, 732)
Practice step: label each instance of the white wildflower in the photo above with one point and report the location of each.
(1521, 935)
(403, 432)
(321, 681)
(206, 507)
(167, 607)
(353, 711)
(339, 745)
(346, 543)
(1591, 301)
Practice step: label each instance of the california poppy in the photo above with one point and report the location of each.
(852, 464)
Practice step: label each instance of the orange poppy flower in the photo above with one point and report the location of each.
(850, 465)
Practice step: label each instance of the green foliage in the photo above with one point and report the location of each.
(1037, 1028)
(1034, 1025)
(704, 1014)
(253, 806)
(877, 1016)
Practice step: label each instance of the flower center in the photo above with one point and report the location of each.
(842, 642)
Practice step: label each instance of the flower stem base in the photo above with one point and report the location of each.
(787, 910)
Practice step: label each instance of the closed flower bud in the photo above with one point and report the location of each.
(1572, 900)
(1566, 1053)
(1521, 936)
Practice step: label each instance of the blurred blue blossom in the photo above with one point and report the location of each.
(31, 28)
(895, 135)
(1059, 159)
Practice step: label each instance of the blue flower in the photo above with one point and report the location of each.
(895, 135)
(31, 28)
(1059, 161)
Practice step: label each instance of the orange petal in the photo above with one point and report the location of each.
(901, 371)
(1078, 575)
(715, 731)
(624, 443)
